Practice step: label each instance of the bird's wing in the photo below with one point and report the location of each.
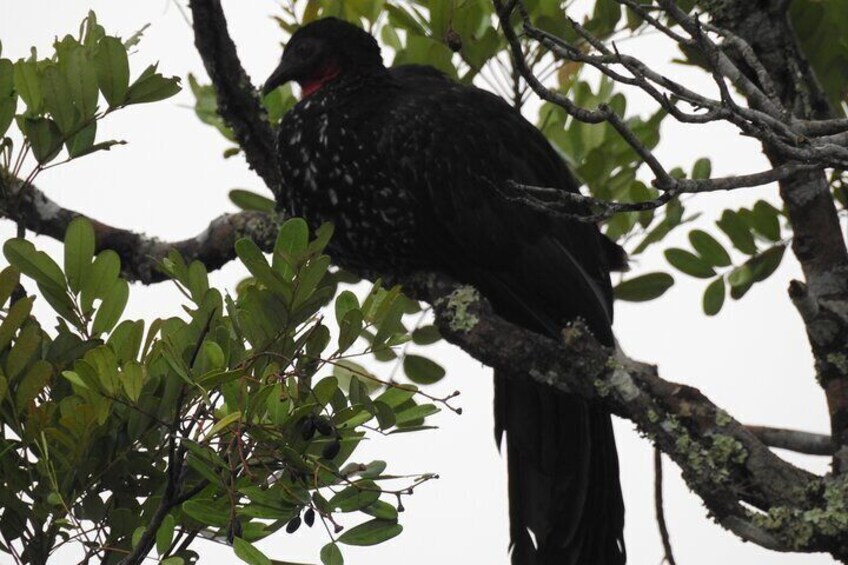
(471, 144)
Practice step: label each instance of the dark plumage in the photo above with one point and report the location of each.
(411, 168)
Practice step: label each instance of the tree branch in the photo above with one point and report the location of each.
(238, 101)
(140, 254)
(794, 440)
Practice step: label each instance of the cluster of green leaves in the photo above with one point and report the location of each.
(238, 419)
(62, 93)
(755, 232)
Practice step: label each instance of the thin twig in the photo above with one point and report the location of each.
(660, 509)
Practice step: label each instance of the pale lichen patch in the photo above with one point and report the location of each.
(458, 309)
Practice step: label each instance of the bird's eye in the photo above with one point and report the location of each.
(303, 49)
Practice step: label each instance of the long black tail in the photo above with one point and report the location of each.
(563, 476)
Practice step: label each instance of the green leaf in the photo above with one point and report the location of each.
(325, 389)
(645, 287)
(44, 136)
(765, 219)
(253, 258)
(740, 280)
(709, 249)
(714, 297)
(414, 414)
(113, 70)
(206, 512)
(385, 415)
(702, 169)
(82, 142)
(421, 370)
(331, 555)
(7, 78)
(57, 98)
(248, 553)
(152, 87)
(382, 510)
(33, 382)
(9, 279)
(350, 328)
(738, 232)
(345, 302)
(396, 395)
(81, 77)
(61, 302)
(79, 251)
(356, 496)
(689, 263)
(223, 423)
(8, 106)
(35, 264)
(292, 240)
(165, 534)
(23, 351)
(18, 314)
(112, 306)
(100, 278)
(347, 371)
(248, 200)
(426, 335)
(28, 84)
(371, 533)
(763, 265)
(132, 380)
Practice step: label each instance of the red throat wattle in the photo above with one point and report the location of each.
(324, 75)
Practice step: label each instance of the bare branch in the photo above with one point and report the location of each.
(562, 204)
(140, 254)
(659, 507)
(794, 440)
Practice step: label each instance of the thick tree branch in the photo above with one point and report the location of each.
(140, 254)
(818, 241)
(238, 101)
(722, 461)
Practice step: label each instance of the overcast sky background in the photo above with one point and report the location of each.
(170, 181)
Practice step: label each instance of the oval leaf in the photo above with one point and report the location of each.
(421, 370)
(709, 248)
(371, 532)
(356, 497)
(331, 555)
(248, 553)
(79, 251)
(644, 288)
(714, 297)
(113, 70)
(689, 263)
(35, 264)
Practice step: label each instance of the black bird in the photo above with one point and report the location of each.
(411, 168)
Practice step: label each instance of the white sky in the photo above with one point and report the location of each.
(170, 181)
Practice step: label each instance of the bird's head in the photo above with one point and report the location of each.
(322, 51)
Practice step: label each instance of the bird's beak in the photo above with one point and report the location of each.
(281, 75)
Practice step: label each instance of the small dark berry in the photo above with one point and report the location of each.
(331, 449)
(307, 428)
(324, 427)
(454, 41)
(309, 517)
(293, 525)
